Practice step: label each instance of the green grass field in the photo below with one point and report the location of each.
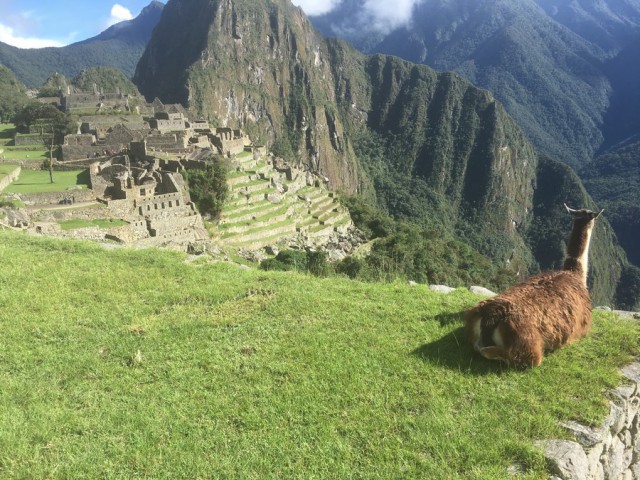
(101, 222)
(36, 153)
(32, 156)
(125, 364)
(6, 169)
(37, 181)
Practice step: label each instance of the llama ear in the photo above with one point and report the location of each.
(570, 210)
(598, 214)
(494, 353)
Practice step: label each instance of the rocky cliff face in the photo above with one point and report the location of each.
(258, 65)
(450, 148)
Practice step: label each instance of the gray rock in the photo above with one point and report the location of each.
(585, 436)
(441, 289)
(482, 291)
(625, 314)
(632, 372)
(614, 460)
(17, 218)
(412, 283)
(603, 308)
(616, 418)
(567, 459)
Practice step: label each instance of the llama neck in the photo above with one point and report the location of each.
(577, 258)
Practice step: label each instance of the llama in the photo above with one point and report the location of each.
(542, 313)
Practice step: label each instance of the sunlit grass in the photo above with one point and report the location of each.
(123, 364)
(38, 181)
(100, 222)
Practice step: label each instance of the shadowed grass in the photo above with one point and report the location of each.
(132, 363)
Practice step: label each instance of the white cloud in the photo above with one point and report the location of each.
(8, 35)
(316, 7)
(388, 15)
(119, 14)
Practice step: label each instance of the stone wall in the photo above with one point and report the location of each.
(6, 181)
(610, 451)
(80, 152)
(161, 203)
(54, 198)
(24, 140)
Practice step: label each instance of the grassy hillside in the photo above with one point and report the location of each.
(136, 363)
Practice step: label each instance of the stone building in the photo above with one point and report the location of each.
(156, 203)
(230, 142)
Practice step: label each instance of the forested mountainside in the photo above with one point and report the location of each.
(544, 60)
(120, 46)
(609, 24)
(622, 120)
(13, 94)
(614, 181)
(430, 147)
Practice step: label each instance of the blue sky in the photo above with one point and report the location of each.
(54, 23)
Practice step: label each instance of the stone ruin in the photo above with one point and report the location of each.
(168, 131)
(156, 203)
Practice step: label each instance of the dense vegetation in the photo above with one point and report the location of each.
(162, 369)
(13, 95)
(558, 98)
(208, 187)
(120, 47)
(106, 79)
(614, 181)
(42, 118)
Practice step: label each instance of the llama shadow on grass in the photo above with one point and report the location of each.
(453, 351)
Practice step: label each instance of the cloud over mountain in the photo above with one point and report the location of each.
(377, 15)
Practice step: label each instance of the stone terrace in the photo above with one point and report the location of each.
(266, 206)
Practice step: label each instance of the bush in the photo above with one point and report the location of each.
(208, 188)
(300, 261)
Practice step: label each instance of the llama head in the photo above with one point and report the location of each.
(577, 258)
(583, 213)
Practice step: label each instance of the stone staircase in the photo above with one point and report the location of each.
(263, 207)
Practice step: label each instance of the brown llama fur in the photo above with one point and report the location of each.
(543, 313)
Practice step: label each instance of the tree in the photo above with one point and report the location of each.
(49, 122)
(208, 188)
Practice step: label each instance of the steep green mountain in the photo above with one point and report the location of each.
(544, 66)
(614, 181)
(105, 78)
(119, 46)
(622, 119)
(610, 24)
(13, 95)
(429, 147)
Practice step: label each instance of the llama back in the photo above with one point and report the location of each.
(542, 313)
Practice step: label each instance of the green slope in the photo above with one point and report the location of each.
(134, 363)
(13, 95)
